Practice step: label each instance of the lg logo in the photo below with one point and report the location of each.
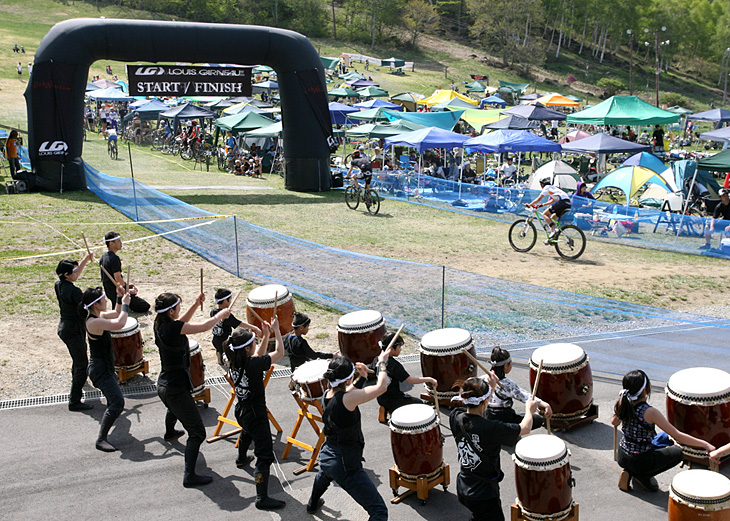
(52, 148)
(150, 71)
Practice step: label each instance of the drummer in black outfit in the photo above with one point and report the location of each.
(113, 264)
(393, 396)
(296, 346)
(174, 384)
(223, 329)
(99, 322)
(248, 362)
(340, 459)
(478, 441)
(71, 327)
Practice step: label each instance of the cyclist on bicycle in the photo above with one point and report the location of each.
(558, 200)
(364, 169)
(111, 134)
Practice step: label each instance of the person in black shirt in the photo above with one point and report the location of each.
(340, 459)
(722, 212)
(174, 384)
(248, 361)
(296, 347)
(113, 264)
(658, 139)
(364, 168)
(71, 327)
(393, 397)
(223, 329)
(98, 323)
(479, 441)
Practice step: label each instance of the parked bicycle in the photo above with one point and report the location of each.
(355, 193)
(569, 241)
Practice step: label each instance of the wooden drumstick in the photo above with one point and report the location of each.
(201, 287)
(276, 302)
(109, 276)
(234, 299)
(129, 284)
(537, 380)
(615, 442)
(714, 467)
(435, 401)
(83, 236)
(253, 311)
(473, 359)
(547, 425)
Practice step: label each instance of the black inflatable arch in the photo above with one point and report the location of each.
(55, 93)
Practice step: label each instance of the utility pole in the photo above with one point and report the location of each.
(631, 61)
(724, 90)
(334, 23)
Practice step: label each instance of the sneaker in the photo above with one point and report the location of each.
(313, 509)
(241, 463)
(704, 247)
(80, 406)
(647, 483)
(554, 233)
(548, 242)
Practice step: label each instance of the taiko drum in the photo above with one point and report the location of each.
(197, 367)
(415, 437)
(699, 495)
(358, 334)
(310, 378)
(566, 382)
(443, 358)
(262, 301)
(127, 345)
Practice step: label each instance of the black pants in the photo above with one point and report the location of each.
(138, 305)
(508, 415)
(105, 379)
(651, 462)
(181, 406)
(391, 403)
(483, 509)
(74, 336)
(254, 422)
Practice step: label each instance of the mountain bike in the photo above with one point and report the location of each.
(569, 240)
(355, 193)
(112, 148)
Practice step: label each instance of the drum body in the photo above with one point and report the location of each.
(358, 334)
(310, 378)
(197, 367)
(261, 300)
(443, 358)
(543, 477)
(699, 495)
(698, 403)
(566, 382)
(127, 344)
(415, 437)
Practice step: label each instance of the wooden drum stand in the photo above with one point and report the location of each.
(313, 420)
(420, 484)
(125, 373)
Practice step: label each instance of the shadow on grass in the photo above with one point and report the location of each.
(264, 199)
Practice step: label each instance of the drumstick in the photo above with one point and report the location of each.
(129, 284)
(537, 380)
(276, 301)
(547, 425)
(714, 467)
(201, 287)
(435, 401)
(256, 315)
(83, 236)
(615, 442)
(473, 359)
(395, 337)
(109, 275)
(234, 299)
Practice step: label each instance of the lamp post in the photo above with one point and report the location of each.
(724, 90)
(631, 61)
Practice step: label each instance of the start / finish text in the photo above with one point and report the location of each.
(188, 87)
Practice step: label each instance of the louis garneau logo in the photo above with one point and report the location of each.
(52, 148)
(150, 71)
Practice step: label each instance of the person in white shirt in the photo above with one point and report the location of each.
(507, 170)
(558, 201)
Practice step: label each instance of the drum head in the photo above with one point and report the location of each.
(310, 372)
(194, 346)
(701, 487)
(700, 382)
(555, 356)
(360, 321)
(263, 296)
(130, 325)
(442, 342)
(540, 449)
(413, 417)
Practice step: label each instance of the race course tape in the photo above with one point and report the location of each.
(214, 218)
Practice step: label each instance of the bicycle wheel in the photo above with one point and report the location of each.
(115, 151)
(570, 242)
(352, 197)
(186, 153)
(175, 149)
(522, 235)
(372, 201)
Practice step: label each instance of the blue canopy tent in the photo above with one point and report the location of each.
(187, 111)
(535, 112)
(652, 162)
(91, 86)
(149, 110)
(267, 86)
(511, 141)
(453, 103)
(492, 100)
(629, 179)
(445, 120)
(512, 122)
(360, 83)
(722, 135)
(718, 116)
(603, 144)
(339, 112)
(376, 103)
(108, 94)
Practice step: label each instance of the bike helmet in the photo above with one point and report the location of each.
(545, 181)
(723, 191)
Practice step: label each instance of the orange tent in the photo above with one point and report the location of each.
(556, 100)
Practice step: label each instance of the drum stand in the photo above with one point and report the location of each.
(223, 418)
(568, 423)
(420, 484)
(517, 514)
(312, 419)
(127, 372)
(202, 395)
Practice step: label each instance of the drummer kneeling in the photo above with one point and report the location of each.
(393, 396)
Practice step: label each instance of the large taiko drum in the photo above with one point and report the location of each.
(415, 437)
(698, 403)
(127, 345)
(262, 300)
(566, 382)
(699, 495)
(543, 478)
(197, 367)
(443, 358)
(310, 378)
(358, 334)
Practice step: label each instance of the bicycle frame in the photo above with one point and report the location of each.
(536, 214)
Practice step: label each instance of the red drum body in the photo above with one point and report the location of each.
(698, 403)
(415, 437)
(127, 344)
(197, 367)
(699, 495)
(261, 300)
(543, 476)
(358, 334)
(310, 378)
(566, 382)
(443, 358)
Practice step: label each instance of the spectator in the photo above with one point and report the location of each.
(507, 171)
(658, 138)
(11, 152)
(20, 71)
(722, 212)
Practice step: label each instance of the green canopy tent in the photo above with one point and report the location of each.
(329, 63)
(574, 98)
(407, 100)
(352, 75)
(377, 114)
(260, 69)
(623, 110)
(680, 110)
(343, 93)
(393, 62)
(243, 122)
(271, 131)
(519, 88)
(382, 130)
(372, 92)
(719, 162)
(475, 86)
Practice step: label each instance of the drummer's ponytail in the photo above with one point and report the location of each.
(634, 384)
(339, 369)
(237, 358)
(474, 388)
(499, 355)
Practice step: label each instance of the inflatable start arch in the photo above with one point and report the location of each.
(55, 92)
